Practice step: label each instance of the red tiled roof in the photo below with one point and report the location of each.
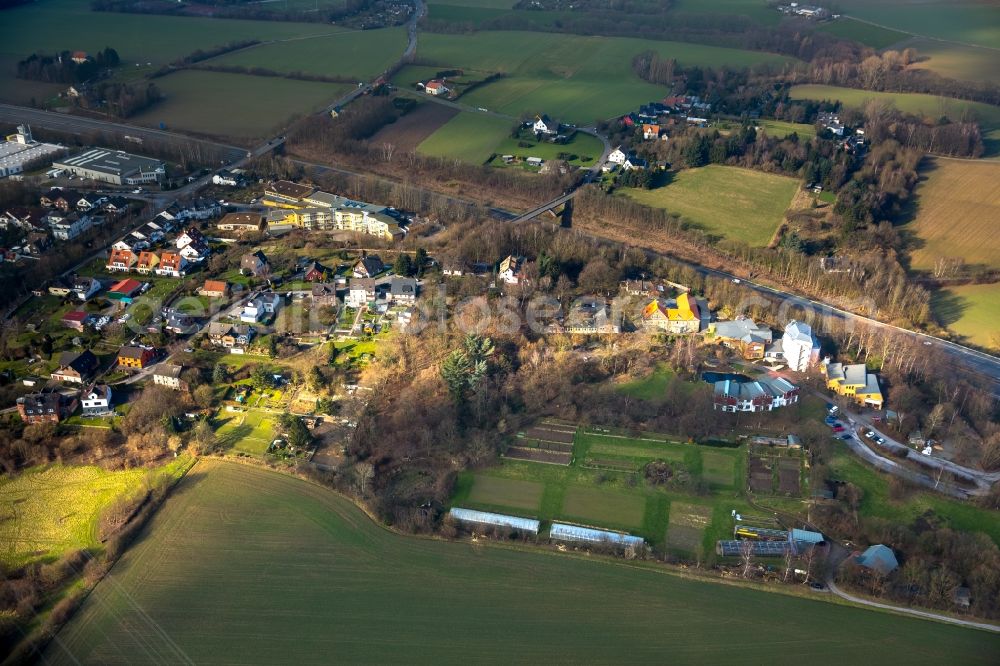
(76, 315)
(126, 286)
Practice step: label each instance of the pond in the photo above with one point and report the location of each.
(712, 377)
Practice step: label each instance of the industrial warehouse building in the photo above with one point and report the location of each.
(114, 166)
(20, 150)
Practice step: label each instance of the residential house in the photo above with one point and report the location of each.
(242, 222)
(90, 201)
(230, 335)
(743, 335)
(75, 367)
(324, 294)
(147, 262)
(634, 162)
(169, 375)
(544, 125)
(229, 178)
(137, 241)
(125, 290)
(194, 252)
(152, 232)
(265, 303)
(64, 200)
(681, 315)
(593, 316)
(135, 358)
(172, 264)
(753, 395)
(121, 259)
(61, 286)
(45, 407)
(512, 270)
(76, 319)
(214, 289)
(255, 264)
(67, 226)
(830, 121)
(368, 266)
(436, 87)
(650, 131)
(84, 288)
(853, 381)
(95, 400)
(799, 347)
(189, 237)
(29, 219)
(179, 323)
(402, 290)
(360, 291)
(195, 209)
(315, 272)
(116, 205)
(618, 156)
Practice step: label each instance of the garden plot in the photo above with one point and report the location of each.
(687, 525)
(497, 491)
(606, 507)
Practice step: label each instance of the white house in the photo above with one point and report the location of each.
(96, 400)
(263, 304)
(617, 156)
(85, 287)
(512, 270)
(360, 292)
(799, 346)
(544, 125)
(168, 375)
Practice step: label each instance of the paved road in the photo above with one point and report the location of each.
(912, 611)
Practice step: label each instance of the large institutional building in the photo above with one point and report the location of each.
(114, 166)
(20, 150)
(306, 207)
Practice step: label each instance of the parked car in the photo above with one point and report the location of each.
(846, 436)
(870, 434)
(880, 440)
(838, 428)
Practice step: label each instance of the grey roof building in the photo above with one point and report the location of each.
(114, 166)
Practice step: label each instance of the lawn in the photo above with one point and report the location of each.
(782, 128)
(587, 148)
(58, 25)
(968, 21)
(470, 137)
(245, 565)
(236, 105)
(47, 511)
(759, 11)
(247, 432)
(359, 54)
(958, 205)
(866, 33)
(963, 516)
(652, 387)
(930, 106)
(492, 490)
(571, 78)
(591, 505)
(729, 202)
(972, 311)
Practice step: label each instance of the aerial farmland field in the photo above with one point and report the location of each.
(729, 202)
(916, 103)
(244, 565)
(972, 311)
(49, 510)
(963, 21)
(234, 105)
(957, 211)
(569, 77)
(362, 54)
(469, 136)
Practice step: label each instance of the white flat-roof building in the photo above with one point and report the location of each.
(114, 166)
(20, 150)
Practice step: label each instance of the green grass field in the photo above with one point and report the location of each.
(247, 432)
(652, 387)
(781, 129)
(866, 33)
(587, 148)
(957, 208)
(967, 21)
(972, 311)
(470, 137)
(964, 516)
(361, 54)
(968, 63)
(930, 106)
(571, 78)
(753, 9)
(236, 105)
(733, 203)
(47, 511)
(244, 565)
(57, 25)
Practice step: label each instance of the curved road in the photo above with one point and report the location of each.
(927, 615)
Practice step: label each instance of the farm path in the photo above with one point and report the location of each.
(911, 611)
(917, 34)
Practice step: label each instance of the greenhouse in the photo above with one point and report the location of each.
(495, 519)
(564, 532)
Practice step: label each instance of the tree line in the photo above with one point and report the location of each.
(61, 68)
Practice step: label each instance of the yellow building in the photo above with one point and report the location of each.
(854, 381)
(308, 208)
(684, 317)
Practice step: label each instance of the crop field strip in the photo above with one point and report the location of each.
(687, 525)
(289, 572)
